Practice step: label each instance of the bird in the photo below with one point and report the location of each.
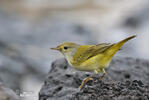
(90, 57)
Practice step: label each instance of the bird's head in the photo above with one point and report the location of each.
(66, 48)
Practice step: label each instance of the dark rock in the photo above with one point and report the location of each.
(112, 91)
(123, 81)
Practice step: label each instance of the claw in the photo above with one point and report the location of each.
(101, 77)
(85, 81)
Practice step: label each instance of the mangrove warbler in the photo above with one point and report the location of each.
(90, 57)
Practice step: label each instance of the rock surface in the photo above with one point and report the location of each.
(7, 94)
(126, 79)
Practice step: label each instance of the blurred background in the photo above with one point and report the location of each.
(28, 28)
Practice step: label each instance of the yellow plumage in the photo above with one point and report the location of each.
(90, 57)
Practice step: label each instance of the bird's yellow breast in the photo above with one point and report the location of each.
(94, 63)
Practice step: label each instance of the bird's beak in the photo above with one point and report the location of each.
(55, 48)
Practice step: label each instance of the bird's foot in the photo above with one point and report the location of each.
(85, 81)
(101, 77)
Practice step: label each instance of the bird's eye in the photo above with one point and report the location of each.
(65, 48)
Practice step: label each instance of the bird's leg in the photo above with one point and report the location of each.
(85, 81)
(104, 72)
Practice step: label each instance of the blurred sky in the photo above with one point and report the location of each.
(33, 26)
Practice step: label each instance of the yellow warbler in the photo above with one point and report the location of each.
(90, 57)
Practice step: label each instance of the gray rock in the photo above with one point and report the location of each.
(7, 94)
(125, 79)
(10, 71)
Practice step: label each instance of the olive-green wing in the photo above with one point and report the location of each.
(98, 49)
(86, 52)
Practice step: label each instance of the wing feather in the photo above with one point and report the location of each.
(87, 52)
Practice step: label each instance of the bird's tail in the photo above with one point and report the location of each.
(112, 50)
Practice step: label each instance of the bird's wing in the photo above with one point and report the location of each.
(98, 49)
(86, 52)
